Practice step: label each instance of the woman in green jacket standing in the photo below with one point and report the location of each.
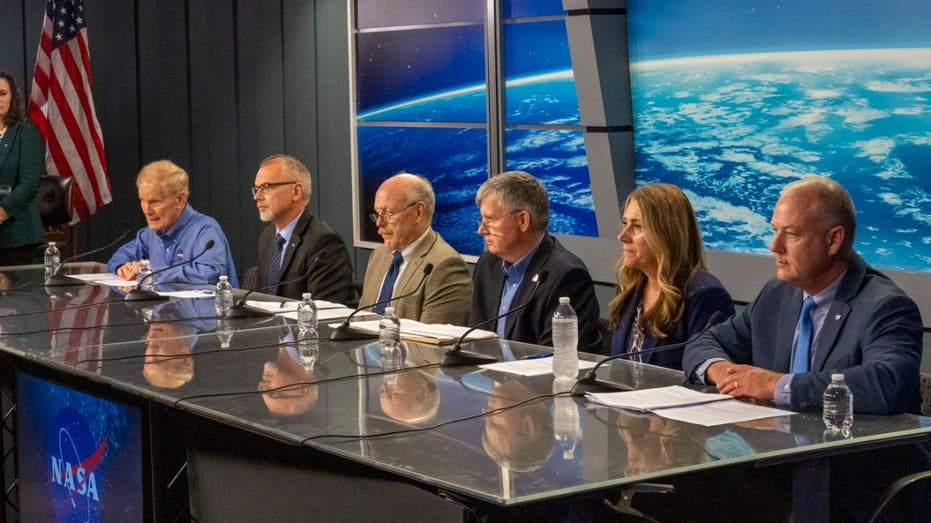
(22, 157)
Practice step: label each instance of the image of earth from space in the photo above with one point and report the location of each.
(454, 159)
(732, 130)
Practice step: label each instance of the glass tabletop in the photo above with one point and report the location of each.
(489, 434)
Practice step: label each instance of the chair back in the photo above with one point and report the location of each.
(54, 200)
(925, 394)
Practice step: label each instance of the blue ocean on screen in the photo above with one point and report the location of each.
(454, 159)
(731, 130)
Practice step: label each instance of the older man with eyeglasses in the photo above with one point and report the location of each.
(403, 212)
(515, 215)
(296, 241)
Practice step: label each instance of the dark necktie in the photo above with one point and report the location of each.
(274, 266)
(802, 351)
(387, 287)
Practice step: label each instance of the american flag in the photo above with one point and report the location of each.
(79, 307)
(62, 106)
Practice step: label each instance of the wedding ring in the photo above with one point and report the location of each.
(736, 384)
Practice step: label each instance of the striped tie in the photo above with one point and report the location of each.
(274, 266)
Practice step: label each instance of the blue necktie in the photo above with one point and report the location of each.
(387, 287)
(274, 266)
(802, 351)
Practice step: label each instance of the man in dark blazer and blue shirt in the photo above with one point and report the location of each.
(281, 192)
(514, 209)
(862, 324)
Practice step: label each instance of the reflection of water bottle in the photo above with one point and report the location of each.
(308, 348)
(52, 259)
(566, 424)
(223, 298)
(565, 341)
(389, 329)
(838, 406)
(145, 269)
(224, 332)
(306, 313)
(392, 359)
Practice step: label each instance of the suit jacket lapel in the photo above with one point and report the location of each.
(840, 309)
(296, 235)
(413, 271)
(9, 141)
(526, 285)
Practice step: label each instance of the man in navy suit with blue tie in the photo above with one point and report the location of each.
(826, 311)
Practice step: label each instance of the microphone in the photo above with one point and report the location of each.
(457, 356)
(138, 294)
(58, 279)
(345, 331)
(241, 310)
(592, 379)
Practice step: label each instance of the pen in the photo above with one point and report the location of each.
(538, 356)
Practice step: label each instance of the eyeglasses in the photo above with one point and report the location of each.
(388, 216)
(265, 187)
(490, 222)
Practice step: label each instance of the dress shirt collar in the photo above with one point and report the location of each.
(171, 234)
(520, 266)
(288, 230)
(409, 250)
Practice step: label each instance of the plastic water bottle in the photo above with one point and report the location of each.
(389, 330)
(224, 332)
(566, 423)
(838, 406)
(223, 298)
(52, 259)
(145, 269)
(306, 314)
(308, 348)
(565, 341)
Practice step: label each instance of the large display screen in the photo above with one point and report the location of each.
(732, 99)
(80, 456)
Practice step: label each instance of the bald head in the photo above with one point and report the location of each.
(404, 204)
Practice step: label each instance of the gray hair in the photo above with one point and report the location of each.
(167, 174)
(834, 202)
(518, 190)
(291, 168)
(419, 189)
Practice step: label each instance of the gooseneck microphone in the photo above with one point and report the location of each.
(58, 279)
(346, 332)
(592, 379)
(241, 310)
(138, 294)
(456, 356)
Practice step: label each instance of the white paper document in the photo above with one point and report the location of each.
(326, 314)
(282, 306)
(683, 404)
(103, 278)
(531, 367)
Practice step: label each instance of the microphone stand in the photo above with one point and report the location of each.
(456, 356)
(592, 379)
(139, 294)
(241, 310)
(346, 332)
(58, 279)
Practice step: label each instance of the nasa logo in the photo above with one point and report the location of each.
(74, 458)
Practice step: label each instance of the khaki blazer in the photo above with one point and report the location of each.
(446, 296)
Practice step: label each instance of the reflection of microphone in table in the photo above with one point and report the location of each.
(241, 310)
(58, 279)
(346, 332)
(138, 294)
(592, 379)
(457, 356)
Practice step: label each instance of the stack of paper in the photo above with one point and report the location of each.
(682, 404)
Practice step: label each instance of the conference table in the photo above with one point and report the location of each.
(249, 419)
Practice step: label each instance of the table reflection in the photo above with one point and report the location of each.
(288, 382)
(170, 340)
(520, 438)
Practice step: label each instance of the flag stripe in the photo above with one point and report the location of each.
(62, 107)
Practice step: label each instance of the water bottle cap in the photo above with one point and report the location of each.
(389, 310)
(306, 296)
(837, 377)
(51, 244)
(223, 278)
(563, 299)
